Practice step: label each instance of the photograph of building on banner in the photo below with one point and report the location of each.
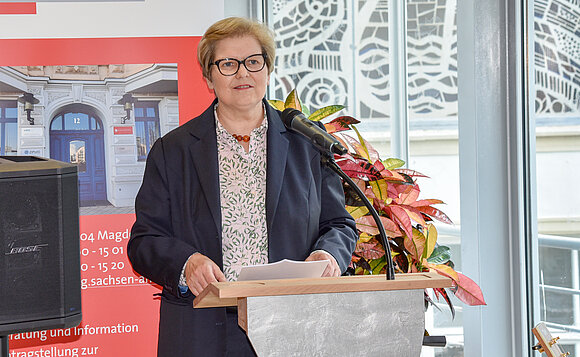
(104, 118)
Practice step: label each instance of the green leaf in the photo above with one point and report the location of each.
(441, 255)
(377, 265)
(305, 109)
(393, 163)
(325, 112)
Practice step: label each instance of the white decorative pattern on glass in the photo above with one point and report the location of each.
(557, 57)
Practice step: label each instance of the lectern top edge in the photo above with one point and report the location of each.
(227, 293)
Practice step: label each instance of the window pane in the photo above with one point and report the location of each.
(141, 140)
(78, 154)
(56, 123)
(76, 121)
(153, 133)
(11, 113)
(557, 122)
(11, 146)
(139, 112)
(151, 113)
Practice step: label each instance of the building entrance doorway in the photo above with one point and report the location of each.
(77, 136)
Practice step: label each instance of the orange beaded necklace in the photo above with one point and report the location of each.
(244, 138)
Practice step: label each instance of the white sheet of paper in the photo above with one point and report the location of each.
(284, 269)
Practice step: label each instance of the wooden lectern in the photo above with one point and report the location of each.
(343, 316)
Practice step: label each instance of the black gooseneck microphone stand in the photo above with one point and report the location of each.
(328, 160)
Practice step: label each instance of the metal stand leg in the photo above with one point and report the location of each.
(4, 346)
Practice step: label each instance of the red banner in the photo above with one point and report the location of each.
(17, 8)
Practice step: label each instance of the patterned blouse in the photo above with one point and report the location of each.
(242, 177)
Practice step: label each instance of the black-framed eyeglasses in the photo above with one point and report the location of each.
(231, 66)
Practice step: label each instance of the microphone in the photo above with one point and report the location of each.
(295, 120)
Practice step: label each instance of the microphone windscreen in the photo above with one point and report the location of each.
(288, 115)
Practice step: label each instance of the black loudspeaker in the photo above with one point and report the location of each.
(39, 245)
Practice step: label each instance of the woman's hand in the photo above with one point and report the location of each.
(332, 269)
(200, 271)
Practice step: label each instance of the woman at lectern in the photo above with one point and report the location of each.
(230, 188)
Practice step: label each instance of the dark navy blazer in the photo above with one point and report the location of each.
(178, 213)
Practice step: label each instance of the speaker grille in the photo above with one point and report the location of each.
(39, 251)
(32, 241)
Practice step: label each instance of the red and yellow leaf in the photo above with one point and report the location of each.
(431, 240)
(359, 168)
(340, 124)
(368, 225)
(435, 213)
(411, 173)
(391, 229)
(292, 101)
(369, 250)
(390, 176)
(363, 237)
(416, 245)
(372, 154)
(362, 184)
(369, 193)
(357, 146)
(414, 214)
(401, 217)
(379, 188)
(277, 104)
(379, 165)
(442, 269)
(357, 211)
(443, 293)
(468, 291)
(427, 202)
(409, 195)
(332, 128)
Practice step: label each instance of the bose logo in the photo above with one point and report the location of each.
(26, 249)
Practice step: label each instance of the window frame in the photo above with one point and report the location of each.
(147, 122)
(4, 120)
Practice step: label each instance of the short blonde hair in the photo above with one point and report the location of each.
(234, 27)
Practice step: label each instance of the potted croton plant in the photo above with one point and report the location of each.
(394, 193)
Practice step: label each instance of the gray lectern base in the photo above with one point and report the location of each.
(343, 316)
(370, 323)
